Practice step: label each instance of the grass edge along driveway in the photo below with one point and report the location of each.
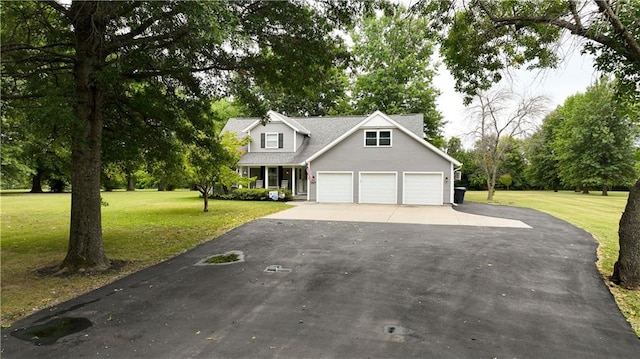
(141, 227)
(596, 214)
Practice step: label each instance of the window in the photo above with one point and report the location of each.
(371, 138)
(384, 138)
(271, 140)
(378, 138)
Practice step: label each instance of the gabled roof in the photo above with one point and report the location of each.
(324, 133)
(277, 117)
(384, 117)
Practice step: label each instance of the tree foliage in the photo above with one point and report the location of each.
(594, 145)
(101, 57)
(544, 170)
(393, 69)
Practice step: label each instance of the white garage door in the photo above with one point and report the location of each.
(335, 187)
(378, 188)
(422, 188)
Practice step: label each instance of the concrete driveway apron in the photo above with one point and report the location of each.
(339, 289)
(444, 215)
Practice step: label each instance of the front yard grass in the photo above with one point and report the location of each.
(596, 214)
(141, 227)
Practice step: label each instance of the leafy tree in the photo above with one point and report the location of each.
(14, 170)
(185, 50)
(544, 170)
(467, 158)
(205, 162)
(228, 176)
(506, 180)
(594, 146)
(454, 147)
(482, 38)
(514, 164)
(224, 109)
(321, 93)
(393, 70)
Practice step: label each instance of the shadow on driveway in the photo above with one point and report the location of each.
(357, 290)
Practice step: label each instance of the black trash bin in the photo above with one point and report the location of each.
(458, 194)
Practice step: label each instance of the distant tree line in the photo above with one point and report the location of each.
(590, 142)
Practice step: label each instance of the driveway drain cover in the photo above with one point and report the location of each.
(397, 330)
(274, 268)
(230, 257)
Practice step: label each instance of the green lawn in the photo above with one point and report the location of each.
(598, 215)
(142, 227)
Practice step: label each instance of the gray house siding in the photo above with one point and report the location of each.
(299, 140)
(287, 136)
(405, 155)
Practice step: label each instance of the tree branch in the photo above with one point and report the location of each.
(521, 21)
(129, 39)
(58, 7)
(574, 12)
(19, 46)
(634, 53)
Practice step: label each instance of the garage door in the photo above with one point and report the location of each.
(422, 188)
(335, 187)
(378, 188)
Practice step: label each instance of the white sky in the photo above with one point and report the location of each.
(573, 75)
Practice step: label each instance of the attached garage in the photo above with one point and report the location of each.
(335, 187)
(422, 188)
(378, 187)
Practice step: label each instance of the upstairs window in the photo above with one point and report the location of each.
(271, 140)
(377, 138)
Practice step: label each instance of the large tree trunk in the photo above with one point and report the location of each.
(86, 252)
(36, 182)
(626, 271)
(130, 183)
(605, 190)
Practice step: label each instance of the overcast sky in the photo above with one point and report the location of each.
(573, 75)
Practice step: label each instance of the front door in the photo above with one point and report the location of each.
(301, 181)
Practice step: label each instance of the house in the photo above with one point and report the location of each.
(351, 159)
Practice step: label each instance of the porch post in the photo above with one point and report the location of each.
(294, 175)
(266, 176)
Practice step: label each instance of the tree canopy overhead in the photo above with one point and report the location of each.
(482, 38)
(116, 64)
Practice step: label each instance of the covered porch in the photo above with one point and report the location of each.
(293, 178)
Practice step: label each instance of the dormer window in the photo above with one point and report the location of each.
(271, 140)
(377, 138)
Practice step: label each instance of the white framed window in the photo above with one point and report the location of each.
(271, 140)
(377, 138)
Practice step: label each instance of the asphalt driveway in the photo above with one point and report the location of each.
(357, 290)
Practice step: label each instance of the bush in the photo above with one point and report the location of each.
(253, 194)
